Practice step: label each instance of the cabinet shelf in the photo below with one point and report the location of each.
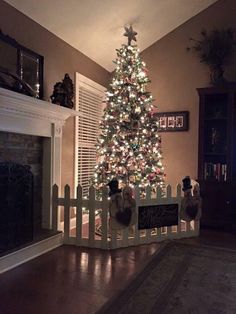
(215, 154)
(210, 180)
(216, 119)
(217, 183)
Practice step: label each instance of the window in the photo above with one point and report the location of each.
(89, 104)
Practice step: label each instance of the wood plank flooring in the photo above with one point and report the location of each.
(76, 280)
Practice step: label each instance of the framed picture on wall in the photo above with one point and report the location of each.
(179, 121)
(162, 122)
(173, 121)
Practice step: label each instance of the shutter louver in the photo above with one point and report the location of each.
(89, 97)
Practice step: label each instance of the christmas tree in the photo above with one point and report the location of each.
(129, 147)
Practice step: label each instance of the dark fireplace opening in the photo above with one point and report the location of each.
(16, 204)
(21, 162)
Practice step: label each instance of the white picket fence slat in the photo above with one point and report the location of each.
(67, 213)
(85, 233)
(104, 219)
(78, 213)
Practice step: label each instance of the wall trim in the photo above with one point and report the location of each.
(25, 254)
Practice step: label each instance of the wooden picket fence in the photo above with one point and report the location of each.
(83, 230)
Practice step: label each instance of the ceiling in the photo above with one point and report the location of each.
(95, 27)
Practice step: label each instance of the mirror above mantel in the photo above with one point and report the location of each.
(21, 69)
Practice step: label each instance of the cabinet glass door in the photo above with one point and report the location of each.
(215, 137)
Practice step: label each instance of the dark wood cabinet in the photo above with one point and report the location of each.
(217, 156)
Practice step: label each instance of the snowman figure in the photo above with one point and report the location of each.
(191, 202)
(115, 205)
(130, 204)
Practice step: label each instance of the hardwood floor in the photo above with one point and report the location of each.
(76, 280)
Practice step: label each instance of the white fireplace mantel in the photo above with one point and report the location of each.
(27, 115)
(24, 114)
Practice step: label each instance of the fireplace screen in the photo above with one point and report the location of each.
(16, 205)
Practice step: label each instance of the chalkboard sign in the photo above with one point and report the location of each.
(157, 216)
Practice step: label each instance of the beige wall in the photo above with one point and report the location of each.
(59, 58)
(175, 75)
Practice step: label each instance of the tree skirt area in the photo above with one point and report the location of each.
(181, 278)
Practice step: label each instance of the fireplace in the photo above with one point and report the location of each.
(30, 163)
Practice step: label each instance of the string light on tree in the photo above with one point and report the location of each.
(129, 147)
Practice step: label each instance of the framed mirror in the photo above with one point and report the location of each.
(21, 69)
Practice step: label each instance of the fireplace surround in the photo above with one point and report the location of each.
(20, 114)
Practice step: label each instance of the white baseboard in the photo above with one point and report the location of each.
(25, 254)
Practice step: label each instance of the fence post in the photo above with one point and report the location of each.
(91, 207)
(67, 213)
(55, 207)
(158, 198)
(136, 230)
(104, 218)
(168, 196)
(148, 198)
(178, 194)
(78, 214)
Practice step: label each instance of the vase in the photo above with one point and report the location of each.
(217, 75)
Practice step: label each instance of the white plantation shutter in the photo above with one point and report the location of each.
(89, 97)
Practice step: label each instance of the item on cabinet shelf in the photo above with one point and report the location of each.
(218, 114)
(215, 140)
(63, 93)
(191, 203)
(215, 171)
(215, 49)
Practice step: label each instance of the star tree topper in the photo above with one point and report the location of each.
(130, 33)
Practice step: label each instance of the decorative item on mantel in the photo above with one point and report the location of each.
(63, 93)
(13, 82)
(215, 49)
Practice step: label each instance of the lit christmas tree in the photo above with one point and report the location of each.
(129, 147)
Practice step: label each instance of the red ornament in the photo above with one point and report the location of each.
(151, 176)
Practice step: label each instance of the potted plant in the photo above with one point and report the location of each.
(215, 49)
